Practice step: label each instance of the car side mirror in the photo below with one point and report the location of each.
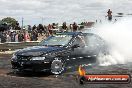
(75, 46)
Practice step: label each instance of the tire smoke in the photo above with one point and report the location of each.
(119, 38)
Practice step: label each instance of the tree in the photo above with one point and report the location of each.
(11, 22)
(3, 26)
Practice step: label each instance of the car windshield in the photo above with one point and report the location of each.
(57, 40)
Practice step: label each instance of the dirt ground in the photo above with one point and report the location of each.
(44, 80)
(37, 80)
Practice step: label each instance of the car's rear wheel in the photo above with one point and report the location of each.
(57, 66)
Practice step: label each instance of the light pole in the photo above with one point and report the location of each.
(22, 22)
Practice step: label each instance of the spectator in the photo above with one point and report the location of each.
(75, 27)
(53, 25)
(40, 29)
(34, 27)
(34, 36)
(26, 36)
(13, 34)
(3, 37)
(71, 27)
(46, 31)
(8, 38)
(20, 37)
(16, 37)
(64, 26)
(29, 28)
(50, 28)
(109, 15)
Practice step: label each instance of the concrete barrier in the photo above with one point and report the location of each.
(16, 45)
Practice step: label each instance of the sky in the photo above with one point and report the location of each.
(49, 11)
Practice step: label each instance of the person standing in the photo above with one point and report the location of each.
(26, 36)
(50, 29)
(16, 37)
(3, 37)
(75, 27)
(20, 37)
(8, 39)
(64, 27)
(34, 36)
(109, 14)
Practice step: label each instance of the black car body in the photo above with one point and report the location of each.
(59, 52)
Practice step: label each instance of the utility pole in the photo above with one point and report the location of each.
(22, 22)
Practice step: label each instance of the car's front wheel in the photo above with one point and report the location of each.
(57, 66)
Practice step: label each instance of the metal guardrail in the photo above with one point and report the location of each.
(16, 45)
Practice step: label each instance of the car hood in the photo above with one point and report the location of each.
(38, 50)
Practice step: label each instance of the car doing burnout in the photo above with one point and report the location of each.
(58, 52)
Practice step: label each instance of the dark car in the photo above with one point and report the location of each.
(58, 52)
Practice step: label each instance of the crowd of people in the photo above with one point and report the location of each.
(32, 33)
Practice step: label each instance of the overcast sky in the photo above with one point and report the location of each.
(61, 10)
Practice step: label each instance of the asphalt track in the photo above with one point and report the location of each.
(45, 80)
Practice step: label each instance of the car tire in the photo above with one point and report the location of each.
(57, 66)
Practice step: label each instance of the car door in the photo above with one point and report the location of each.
(93, 45)
(77, 52)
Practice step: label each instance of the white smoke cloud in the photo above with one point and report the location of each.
(119, 38)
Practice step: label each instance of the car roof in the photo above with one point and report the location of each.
(68, 33)
(73, 33)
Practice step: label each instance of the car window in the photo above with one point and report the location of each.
(57, 40)
(92, 40)
(79, 40)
